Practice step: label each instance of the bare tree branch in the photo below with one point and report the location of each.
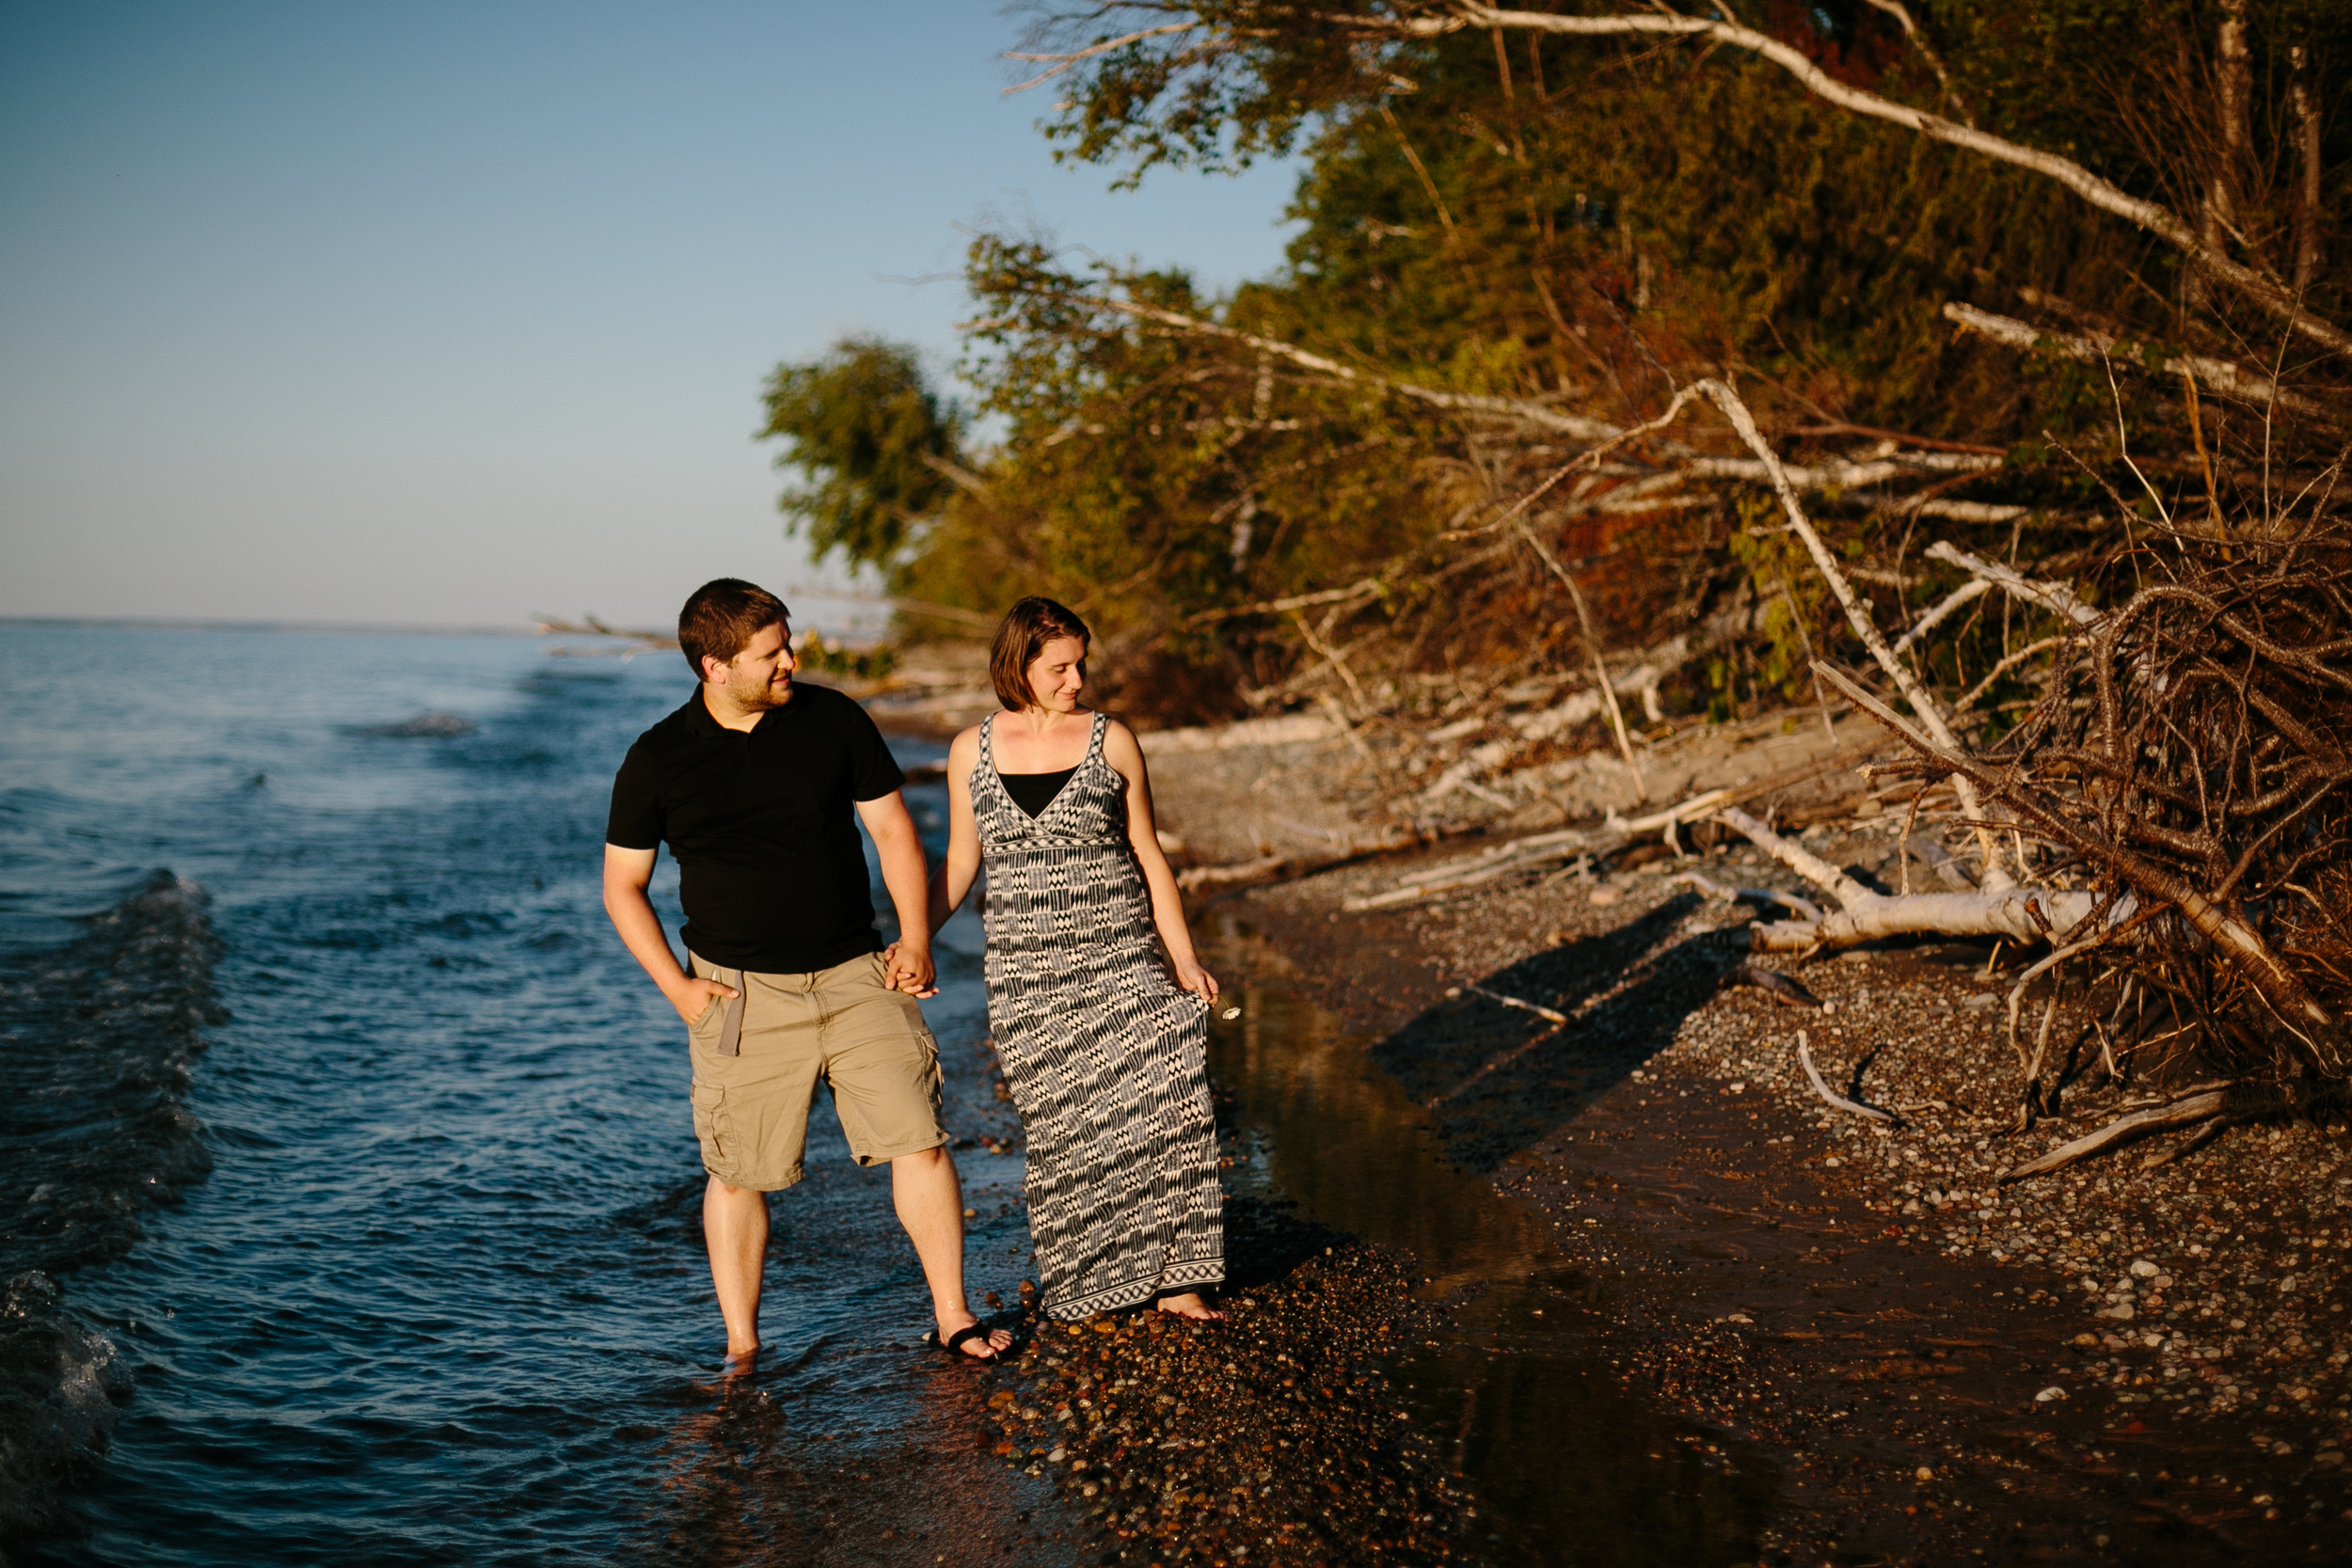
(2147, 216)
(1974, 588)
(1059, 63)
(1919, 41)
(1924, 705)
(2096, 348)
(2056, 597)
(2231, 937)
(1533, 413)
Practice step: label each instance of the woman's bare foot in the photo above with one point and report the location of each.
(980, 1347)
(1189, 1305)
(740, 1363)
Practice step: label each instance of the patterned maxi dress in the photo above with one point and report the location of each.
(1106, 1058)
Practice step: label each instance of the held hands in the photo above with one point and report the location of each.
(909, 968)
(692, 998)
(1191, 976)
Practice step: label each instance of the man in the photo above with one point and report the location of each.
(752, 784)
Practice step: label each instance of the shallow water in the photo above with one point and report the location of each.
(440, 1296)
(349, 1204)
(1519, 1393)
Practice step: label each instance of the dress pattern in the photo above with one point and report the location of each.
(1107, 1060)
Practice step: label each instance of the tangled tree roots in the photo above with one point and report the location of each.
(2190, 760)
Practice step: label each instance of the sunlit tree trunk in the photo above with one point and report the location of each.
(2233, 96)
(2304, 116)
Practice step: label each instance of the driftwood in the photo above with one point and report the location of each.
(2179, 1112)
(2025, 914)
(632, 642)
(1540, 851)
(1290, 868)
(2218, 375)
(2198, 1139)
(1639, 679)
(1515, 857)
(2185, 771)
(1852, 1107)
(1553, 1014)
(1805, 909)
(2056, 597)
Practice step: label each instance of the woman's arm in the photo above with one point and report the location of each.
(1121, 751)
(956, 871)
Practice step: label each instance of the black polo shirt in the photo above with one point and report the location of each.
(770, 866)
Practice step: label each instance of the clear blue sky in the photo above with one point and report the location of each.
(435, 313)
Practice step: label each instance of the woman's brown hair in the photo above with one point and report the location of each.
(1028, 627)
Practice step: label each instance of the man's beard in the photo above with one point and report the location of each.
(773, 694)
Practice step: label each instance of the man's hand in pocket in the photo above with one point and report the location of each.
(693, 998)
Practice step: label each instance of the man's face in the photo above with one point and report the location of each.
(761, 675)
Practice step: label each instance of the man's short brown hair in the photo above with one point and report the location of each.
(1028, 627)
(721, 616)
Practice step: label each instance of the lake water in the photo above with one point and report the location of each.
(349, 1202)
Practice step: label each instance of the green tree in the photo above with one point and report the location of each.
(1514, 244)
(879, 450)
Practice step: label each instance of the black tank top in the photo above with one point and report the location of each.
(1034, 792)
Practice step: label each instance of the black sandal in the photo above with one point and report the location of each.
(955, 1342)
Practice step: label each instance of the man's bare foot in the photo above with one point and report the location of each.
(740, 1363)
(1189, 1305)
(980, 1347)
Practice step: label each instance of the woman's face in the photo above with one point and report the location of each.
(1058, 673)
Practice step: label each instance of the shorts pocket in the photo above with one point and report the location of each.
(935, 1080)
(713, 1128)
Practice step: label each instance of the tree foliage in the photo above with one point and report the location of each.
(877, 449)
(1514, 244)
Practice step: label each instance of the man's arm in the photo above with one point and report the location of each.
(627, 874)
(907, 875)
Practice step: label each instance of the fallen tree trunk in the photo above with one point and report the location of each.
(2021, 914)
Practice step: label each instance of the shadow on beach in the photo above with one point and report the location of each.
(1499, 1079)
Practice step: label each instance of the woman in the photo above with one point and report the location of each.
(1106, 1058)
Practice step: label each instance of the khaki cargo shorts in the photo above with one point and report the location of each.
(841, 1026)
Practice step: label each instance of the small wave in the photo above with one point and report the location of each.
(101, 1039)
(433, 725)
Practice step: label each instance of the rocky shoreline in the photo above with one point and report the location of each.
(1272, 1437)
(1898, 1357)
(2106, 1362)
